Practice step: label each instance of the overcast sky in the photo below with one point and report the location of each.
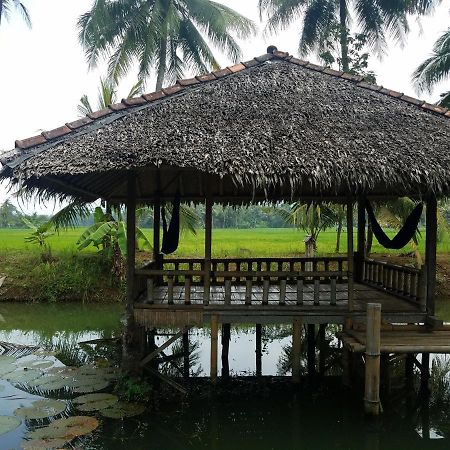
(44, 71)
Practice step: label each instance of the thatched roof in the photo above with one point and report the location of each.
(273, 127)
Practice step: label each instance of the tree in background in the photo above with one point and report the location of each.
(436, 68)
(167, 37)
(375, 19)
(107, 95)
(6, 7)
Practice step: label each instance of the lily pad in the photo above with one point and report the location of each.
(8, 423)
(90, 384)
(23, 375)
(123, 409)
(7, 368)
(67, 428)
(41, 409)
(52, 383)
(7, 359)
(36, 364)
(45, 444)
(94, 402)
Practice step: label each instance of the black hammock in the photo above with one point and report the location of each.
(403, 236)
(171, 234)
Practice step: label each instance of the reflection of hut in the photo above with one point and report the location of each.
(273, 128)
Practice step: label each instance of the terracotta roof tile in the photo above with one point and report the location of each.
(206, 77)
(329, 71)
(237, 67)
(434, 108)
(299, 62)
(154, 96)
(79, 123)
(101, 113)
(57, 132)
(118, 106)
(222, 72)
(279, 54)
(251, 63)
(315, 67)
(173, 89)
(264, 58)
(188, 82)
(412, 100)
(135, 101)
(351, 77)
(392, 93)
(371, 86)
(31, 141)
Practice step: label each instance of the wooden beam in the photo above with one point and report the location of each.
(361, 238)
(157, 222)
(350, 255)
(430, 252)
(131, 238)
(208, 247)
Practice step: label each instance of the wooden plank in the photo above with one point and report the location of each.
(333, 292)
(248, 291)
(150, 293)
(316, 291)
(187, 290)
(300, 291)
(227, 292)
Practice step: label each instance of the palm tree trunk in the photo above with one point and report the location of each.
(162, 63)
(338, 237)
(344, 35)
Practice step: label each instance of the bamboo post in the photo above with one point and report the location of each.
(430, 252)
(208, 237)
(296, 349)
(350, 256)
(156, 229)
(214, 341)
(226, 336)
(372, 378)
(186, 367)
(425, 373)
(322, 347)
(131, 238)
(361, 237)
(258, 349)
(311, 357)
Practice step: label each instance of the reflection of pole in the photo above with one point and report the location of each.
(372, 379)
(258, 350)
(322, 346)
(226, 336)
(186, 355)
(425, 373)
(311, 350)
(296, 348)
(426, 416)
(214, 339)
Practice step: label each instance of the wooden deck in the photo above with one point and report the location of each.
(242, 309)
(402, 340)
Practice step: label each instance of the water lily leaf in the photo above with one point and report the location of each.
(8, 423)
(94, 402)
(52, 382)
(123, 409)
(36, 364)
(2, 387)
(23, 375)
(7, 359)
(7, 368)
(67, 428)
(41, 409)
(87, 386)
(45, 444)
(42, 352)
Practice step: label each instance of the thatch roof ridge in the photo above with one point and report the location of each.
(24, 147)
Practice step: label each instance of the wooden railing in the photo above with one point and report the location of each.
(402, 281)
(303, 277)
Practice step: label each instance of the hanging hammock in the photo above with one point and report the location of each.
(403, 236)
(171, 234)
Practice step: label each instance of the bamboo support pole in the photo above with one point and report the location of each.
(258, 350)
(350, 255)
(311, 356)
(430, 252)
(372, 376)
(186, 361)
(296, 349)
(208, 239)
(226, 336)
(131, 239)
(214, 342)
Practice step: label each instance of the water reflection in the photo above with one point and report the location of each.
(269, 414)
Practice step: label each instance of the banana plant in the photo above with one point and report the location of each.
(39, 233)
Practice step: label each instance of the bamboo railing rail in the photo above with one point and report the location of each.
(405, 282)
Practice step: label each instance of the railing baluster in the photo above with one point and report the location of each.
(187, 290)
(282, 292)
(316, 291)
(150, 293)
(300, 291)
(248, 291)
(170, 290)
(266, 286)
(227, 291)
(333, 291)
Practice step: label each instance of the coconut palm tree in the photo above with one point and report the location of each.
(375, 19)
(435, 68)
(164, 36)
(6, 6)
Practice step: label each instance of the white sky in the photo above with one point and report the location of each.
(44, 72)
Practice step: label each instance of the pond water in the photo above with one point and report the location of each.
(265, 415)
